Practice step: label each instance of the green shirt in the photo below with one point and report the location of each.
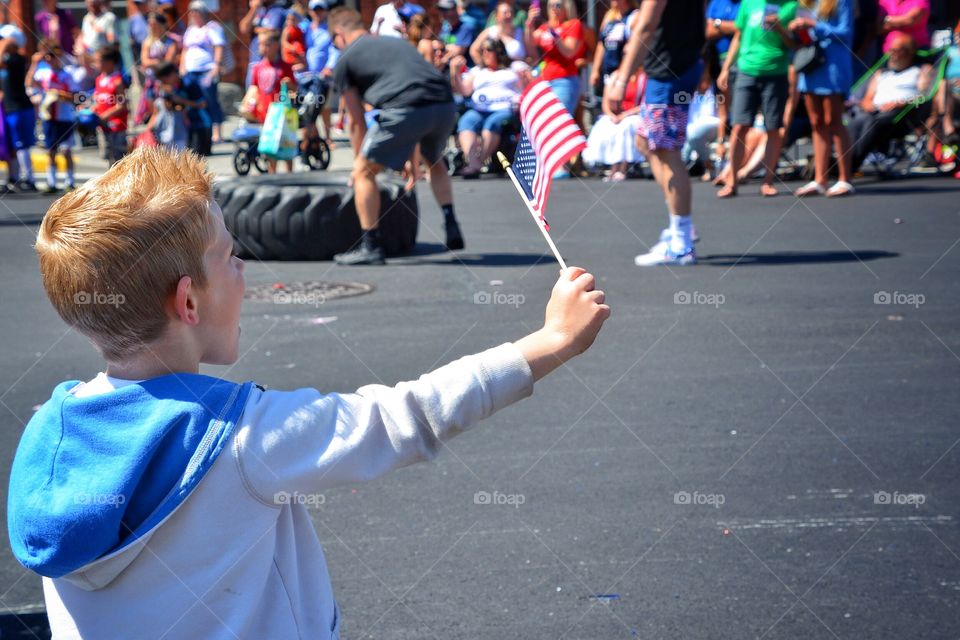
(519, 19)
(762, 52)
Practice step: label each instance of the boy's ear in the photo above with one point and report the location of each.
(185, 302)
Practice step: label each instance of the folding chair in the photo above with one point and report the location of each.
(911, 148)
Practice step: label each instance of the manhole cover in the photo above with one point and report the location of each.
(311, 293)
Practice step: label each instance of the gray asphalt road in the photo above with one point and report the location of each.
(764, 445)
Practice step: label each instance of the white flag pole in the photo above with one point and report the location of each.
(536, 218)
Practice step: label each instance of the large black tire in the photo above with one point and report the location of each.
(310, 216)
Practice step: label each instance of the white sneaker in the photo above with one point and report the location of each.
(665, 237)
(661, 254)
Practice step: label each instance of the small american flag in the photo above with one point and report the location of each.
(550, 137)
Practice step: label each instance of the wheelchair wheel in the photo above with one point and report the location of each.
(241, 162)
(259, 161)
(317, 155)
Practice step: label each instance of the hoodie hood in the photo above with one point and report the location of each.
(94, 476)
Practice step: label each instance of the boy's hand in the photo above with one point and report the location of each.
(575, 313)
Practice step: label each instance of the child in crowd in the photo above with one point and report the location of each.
(293, 41)
(190, 97)
(268, 76)
(613, 137)
(57, 110)
(703, 123)
(168, 120)
(158, 501)
(110, 104)
(19, 117)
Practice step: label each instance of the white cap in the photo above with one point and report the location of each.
(10, 31)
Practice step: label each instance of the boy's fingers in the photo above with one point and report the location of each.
(572, 273)
(598, 296)
(586, 281)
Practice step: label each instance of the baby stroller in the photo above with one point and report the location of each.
(311, 95)
(246, 138)
(315, 153)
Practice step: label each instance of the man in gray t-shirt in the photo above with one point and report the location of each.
(415, 106)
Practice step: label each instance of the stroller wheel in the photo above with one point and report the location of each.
(241, 162)
(259, 161)
(317, 155)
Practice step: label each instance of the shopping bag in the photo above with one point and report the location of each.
(278, 138)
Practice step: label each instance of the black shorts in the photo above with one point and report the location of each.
(391, 139)
(767, 93)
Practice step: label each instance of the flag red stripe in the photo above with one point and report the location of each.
(552, 153)
(554, 137)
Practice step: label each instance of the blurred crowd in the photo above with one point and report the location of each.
(852, 76)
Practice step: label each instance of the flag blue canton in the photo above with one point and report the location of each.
(525, 165)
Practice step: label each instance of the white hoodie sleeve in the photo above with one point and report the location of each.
(304, 441)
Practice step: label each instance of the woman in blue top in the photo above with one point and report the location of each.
(614, 33)
(829, 24)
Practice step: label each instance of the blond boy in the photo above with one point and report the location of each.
(155, 501)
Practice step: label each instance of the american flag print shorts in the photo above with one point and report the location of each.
(663, 125)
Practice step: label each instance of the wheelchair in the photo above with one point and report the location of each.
(509, 138)
(905, 152)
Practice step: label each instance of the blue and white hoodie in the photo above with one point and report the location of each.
(164, 508)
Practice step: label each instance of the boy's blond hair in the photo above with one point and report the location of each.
(112, 252)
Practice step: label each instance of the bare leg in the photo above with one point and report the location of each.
(325, 117)
(672, 176)
(490, 142)
(52, 159)
(367, 195)
(755, 148)
(738, 145)
(676, 180)
(841, 138)
(821, 137)
(771, 159)
(68, 156)
(440, 184)
(471, 150)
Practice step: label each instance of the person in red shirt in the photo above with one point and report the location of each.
(110, 104)
(294, 42)
(559, 41)
(267, 77)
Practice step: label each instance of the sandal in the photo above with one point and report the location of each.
(840, 189)
(470, 175)
(727, 192)
(616, 176)
(812, 188)
(768, 191)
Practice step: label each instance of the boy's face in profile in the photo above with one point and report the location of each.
(102, 65)
(170, 82)
(221, 299)
(269, 49)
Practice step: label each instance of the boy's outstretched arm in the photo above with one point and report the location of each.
(305, 441)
